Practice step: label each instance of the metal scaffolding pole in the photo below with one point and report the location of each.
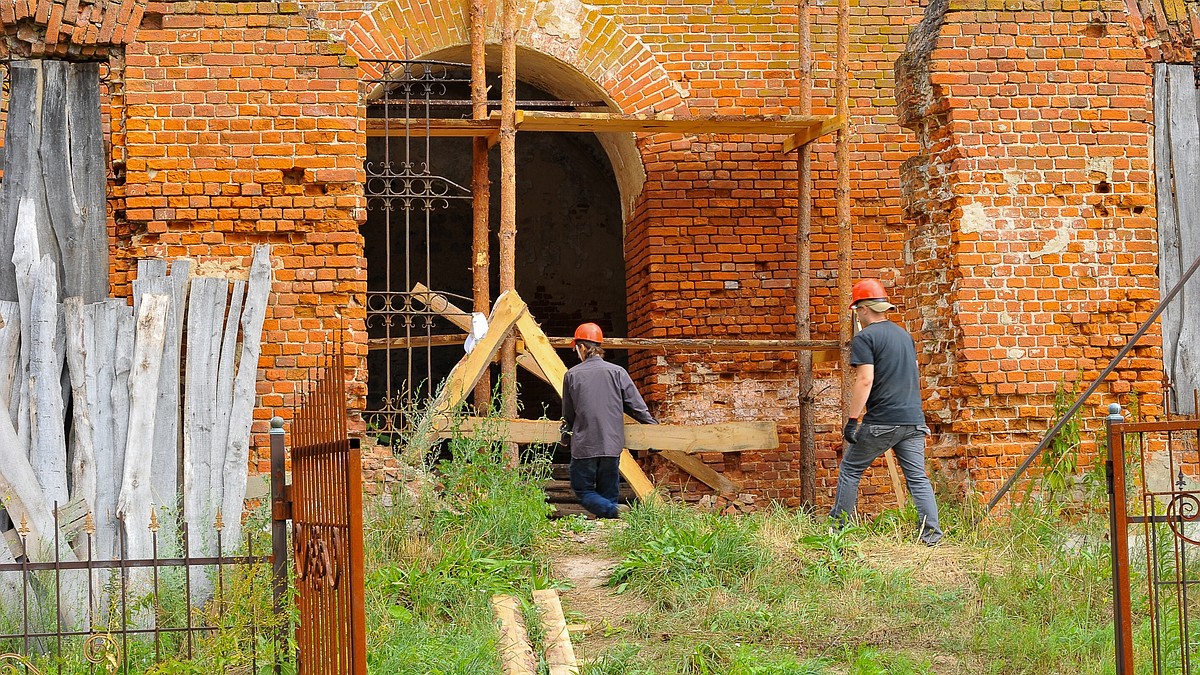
(508, 200)
(808, 453)
(481, 189)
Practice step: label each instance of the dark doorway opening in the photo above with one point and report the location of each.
(569, 252)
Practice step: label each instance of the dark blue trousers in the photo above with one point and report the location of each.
(596, 482)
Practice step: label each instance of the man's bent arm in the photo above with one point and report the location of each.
(864, 377)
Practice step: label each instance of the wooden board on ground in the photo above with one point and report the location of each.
(516, 653)
(560, 654)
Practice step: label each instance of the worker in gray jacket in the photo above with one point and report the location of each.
(596, 394)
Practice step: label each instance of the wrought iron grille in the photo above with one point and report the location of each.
(404, 193)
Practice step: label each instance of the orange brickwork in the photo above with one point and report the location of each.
(1013, 219)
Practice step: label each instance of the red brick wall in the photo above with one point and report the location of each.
(1033, 219)
(242, 125)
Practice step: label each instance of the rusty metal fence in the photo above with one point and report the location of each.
(324, 502)
(1154, 499)
(135, 612)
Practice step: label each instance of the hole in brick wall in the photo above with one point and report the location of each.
(312, 189)
(119, 215)
(1137, 210)
(1103, 187)
(118, 169)
(1096, 29)
(293, 176)
(1101, 210)
(152, 21)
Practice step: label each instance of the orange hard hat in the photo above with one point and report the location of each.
(867, 289)
(589, 332)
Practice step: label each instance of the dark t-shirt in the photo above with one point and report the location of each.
(896, 391)
(596, 396)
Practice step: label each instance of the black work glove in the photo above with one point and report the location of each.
(850, 431)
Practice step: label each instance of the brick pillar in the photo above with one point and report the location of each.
(1033, 239)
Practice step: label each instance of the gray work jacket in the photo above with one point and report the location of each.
(596, 394)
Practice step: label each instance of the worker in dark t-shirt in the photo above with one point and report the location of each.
(885, 384)
(596, 396)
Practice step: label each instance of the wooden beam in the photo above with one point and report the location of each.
(800, 128)
(806, 136)
(599, 122)
(702, 471)
(509, 307)
(560, 655)
(516, 653)
(688, 439)
(538, 346)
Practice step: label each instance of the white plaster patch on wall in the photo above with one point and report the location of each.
(973, 218)
(1099, 165)
(1013, 177)
(560, 18)
(1057, 244)
(1016, 353)
(1006, 319)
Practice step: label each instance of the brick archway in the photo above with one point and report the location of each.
(563, 47)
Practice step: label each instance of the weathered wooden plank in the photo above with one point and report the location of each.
(167, 449)
(206, 308)
(1177, 148)
(48, 445)
(516, 653)
(121, 340)
(26, 255)
(225, 374)
(22, 179)
(1186, 366)
(237, 444)
(83, 406)
(134, 503)
(100, 344)
(723, 437)
(559, 653)
(85, 271)
(10, 357)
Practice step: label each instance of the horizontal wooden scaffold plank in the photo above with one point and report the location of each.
(800, 128)
(631, 344)
(724, 437)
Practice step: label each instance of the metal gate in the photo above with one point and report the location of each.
(325, 496)
(1154, 471)
(407, 207)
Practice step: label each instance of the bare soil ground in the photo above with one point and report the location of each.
(583, 559)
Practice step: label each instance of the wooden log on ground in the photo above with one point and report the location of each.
(237, 444)
(516, 652)
(559, 653)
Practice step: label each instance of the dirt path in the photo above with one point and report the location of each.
(585, 561)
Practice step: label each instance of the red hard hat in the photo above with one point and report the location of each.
(867, 289)
(590, 332)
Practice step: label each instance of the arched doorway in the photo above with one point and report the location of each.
(570, 257)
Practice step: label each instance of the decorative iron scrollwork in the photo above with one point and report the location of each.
(317, 549)
(103, 649)
(1184, 508)
(10, 662)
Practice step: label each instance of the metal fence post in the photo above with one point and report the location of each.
(280, 514)
(1118, 538)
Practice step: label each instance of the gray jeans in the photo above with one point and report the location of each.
(908, 441)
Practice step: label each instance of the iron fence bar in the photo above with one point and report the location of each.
(1114, 470)
(279, 541)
